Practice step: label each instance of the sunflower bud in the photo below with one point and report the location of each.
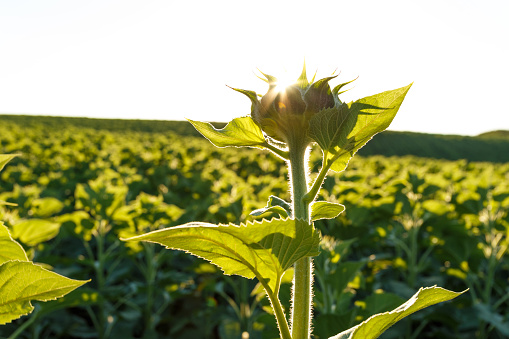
(319, 96)
(287, 101)
(284, 114)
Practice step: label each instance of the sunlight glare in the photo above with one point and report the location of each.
(284, 81)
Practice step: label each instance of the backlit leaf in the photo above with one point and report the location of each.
(46, 207)
(100, 197)
(5, 158)
(274, 205)
(342, 131)
(256, 249)
(265, 211)
(374, 326)
(23, 281)
(34, 231)
(10, 249)
(325, 210)
(238, 132)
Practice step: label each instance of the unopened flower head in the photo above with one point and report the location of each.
(284, 113)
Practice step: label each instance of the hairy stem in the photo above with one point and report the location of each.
(302, 282)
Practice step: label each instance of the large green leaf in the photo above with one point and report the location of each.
(22, 281)
(374, 326)
(5, 158)
(238, 132)
(342, 131)
(34, 231)
(10, 249)
(257, 249)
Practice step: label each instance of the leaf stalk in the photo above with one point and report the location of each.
(284, 330)
(311, 195)
(283, 154)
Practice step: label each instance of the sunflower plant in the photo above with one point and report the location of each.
(289, 122)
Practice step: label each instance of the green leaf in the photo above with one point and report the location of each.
(5, 158)
(271, 80)
(325, 210)
(342, 131)
(336, 90)
(330, 127)
(34, 231)
(493, 318)
(46, 207)
(374, 326)
(277, 201)
(343, 274)
(274, 205)
(23, 281)
(265, 211)
(100, 198)
(264, 250)
(80, 223)
(238, 132)
(302, 82)
(10, 249)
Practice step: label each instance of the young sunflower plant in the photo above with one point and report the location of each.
(288, 122)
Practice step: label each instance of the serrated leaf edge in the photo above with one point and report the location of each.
(222, 245)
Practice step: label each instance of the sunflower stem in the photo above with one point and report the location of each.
(302, 282)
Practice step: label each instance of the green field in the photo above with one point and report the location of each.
(80, 184)
(490, 146)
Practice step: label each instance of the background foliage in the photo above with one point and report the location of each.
(491, 146)
(409, 222)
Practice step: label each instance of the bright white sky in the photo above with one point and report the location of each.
(172, 59)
